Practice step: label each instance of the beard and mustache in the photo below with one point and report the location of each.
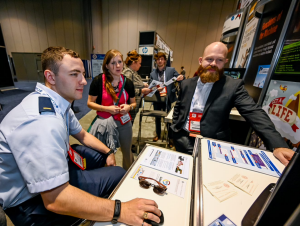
(207, 76)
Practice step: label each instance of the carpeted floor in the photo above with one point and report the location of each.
(11, 98)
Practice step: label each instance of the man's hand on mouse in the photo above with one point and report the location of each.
(132, 212)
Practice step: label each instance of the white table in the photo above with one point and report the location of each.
(236, 207)
(176, 210)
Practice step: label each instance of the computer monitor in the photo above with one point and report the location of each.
(146, 68)
(147, 38)
(236, 73)
(284, 198)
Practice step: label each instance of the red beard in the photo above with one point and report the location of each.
(207, 76)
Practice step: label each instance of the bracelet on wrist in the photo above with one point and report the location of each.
(117, 211)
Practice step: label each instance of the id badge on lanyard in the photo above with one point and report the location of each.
(76, 158)
(125, 118)
(194, 122)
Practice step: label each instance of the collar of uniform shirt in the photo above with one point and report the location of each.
(61, 102)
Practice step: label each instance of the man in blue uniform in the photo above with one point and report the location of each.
(43, 180)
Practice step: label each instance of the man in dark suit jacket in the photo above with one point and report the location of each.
(214, 95)
(163, 74)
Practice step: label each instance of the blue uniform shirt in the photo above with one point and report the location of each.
(34, 147)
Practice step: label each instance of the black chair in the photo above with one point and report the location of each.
(2, 217)
(151, 113)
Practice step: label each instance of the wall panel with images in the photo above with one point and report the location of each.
(282, 99)
(250, 29)
(269, 31)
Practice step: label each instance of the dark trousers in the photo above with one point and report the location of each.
(158, 107)
(95, 179)
(183, 142)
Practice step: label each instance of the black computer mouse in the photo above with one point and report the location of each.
(153, 223)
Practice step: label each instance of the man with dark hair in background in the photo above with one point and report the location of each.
(211, 96)
(163, 74)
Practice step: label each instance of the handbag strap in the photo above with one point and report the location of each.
(89, 129)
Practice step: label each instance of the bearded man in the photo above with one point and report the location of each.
(209, 97)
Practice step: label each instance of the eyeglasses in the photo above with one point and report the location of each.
(158, 188)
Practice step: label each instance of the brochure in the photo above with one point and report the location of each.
(174, 163)
(174, 184)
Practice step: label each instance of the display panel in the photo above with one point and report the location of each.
(285, 194)
(282, 104)
(288, 66)
(269, 31)
(247, 39)
(282, 100)
(147, 38)
(145, 69)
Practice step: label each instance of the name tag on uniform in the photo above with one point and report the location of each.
(77, 159)
(125, 119)
(194, 123)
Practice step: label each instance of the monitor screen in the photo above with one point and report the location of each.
(147, 38)
(236, 73)
(144, 71)
(285, 197)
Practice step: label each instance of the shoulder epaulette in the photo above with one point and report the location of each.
(45, 105)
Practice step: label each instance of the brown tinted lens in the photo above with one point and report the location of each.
(144, 184)
(158, 190)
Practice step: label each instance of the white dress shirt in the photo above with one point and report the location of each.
(199, 99)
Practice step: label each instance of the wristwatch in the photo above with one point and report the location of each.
(117, 211)
(131, 107)
(110, 152)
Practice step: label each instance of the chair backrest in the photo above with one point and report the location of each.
(156, 98)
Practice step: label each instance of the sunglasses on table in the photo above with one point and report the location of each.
(145, 182)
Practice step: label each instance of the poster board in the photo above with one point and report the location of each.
(282, 99)
(97, 61)
(247, 39)
(265, 43)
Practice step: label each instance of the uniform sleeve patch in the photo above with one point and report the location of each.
(45, 105)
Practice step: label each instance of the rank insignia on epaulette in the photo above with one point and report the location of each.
(45, 105)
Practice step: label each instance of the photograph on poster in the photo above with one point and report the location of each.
(282, 104)
(97, 62)
(261, 76)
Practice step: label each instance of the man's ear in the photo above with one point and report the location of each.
(226, 60)
(49, 76)
(200, 60)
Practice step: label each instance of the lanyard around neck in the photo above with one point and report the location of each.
(122, 91)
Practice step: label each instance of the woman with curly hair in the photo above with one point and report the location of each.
(133, 63)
